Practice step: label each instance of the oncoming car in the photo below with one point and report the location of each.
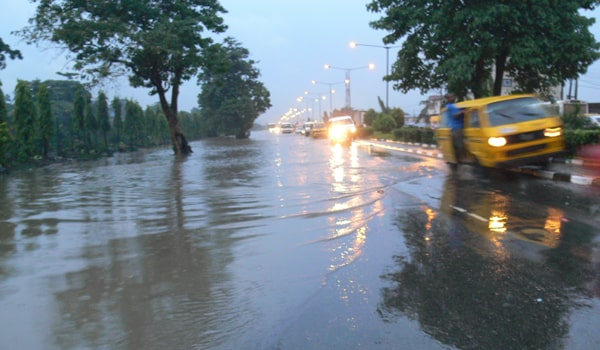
(341, 129)
(504, 132)
(286, 128)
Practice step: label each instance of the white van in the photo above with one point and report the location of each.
(342, 129)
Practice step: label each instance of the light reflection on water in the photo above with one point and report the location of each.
(144, 250)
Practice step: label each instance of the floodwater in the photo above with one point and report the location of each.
(285, 242)
(144, 251)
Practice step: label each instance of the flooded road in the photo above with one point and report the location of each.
(284, 242)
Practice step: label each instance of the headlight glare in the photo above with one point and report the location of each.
(553, 132)
(497, 141)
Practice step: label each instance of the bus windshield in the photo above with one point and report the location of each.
(516, 111)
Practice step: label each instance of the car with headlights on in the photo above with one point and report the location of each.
(286, 128)
(341, 129)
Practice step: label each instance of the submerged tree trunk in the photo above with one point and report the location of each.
(180, 144)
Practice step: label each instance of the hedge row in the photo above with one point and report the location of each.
(574, 139)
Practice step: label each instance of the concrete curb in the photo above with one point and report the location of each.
(432, 151)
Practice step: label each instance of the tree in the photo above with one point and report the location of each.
(5, 137)
(398, 115)
(159, 44)
(232, 97)
(44, 120)
(369, 117)
(117, 108)
(132, 125)
(103, 120)
(79, 115)
(91, 126)
(384, 123)
(24, 121)
(62, 97)
(6, 50)
(457, 44)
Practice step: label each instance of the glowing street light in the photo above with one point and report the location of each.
(308, 109)
(354, 44)
(371, 66)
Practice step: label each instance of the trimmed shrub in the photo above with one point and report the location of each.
(575, 139)
(364, 132)
(384, 123)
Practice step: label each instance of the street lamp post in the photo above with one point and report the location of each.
(307, 109)
(387, 65)
(348, 70)
(331, 91)
(319, 97)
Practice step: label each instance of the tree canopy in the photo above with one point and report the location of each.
(232, 97)
(158, 44)
(5, 50)
(467, 46)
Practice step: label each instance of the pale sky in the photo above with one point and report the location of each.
(291, 40)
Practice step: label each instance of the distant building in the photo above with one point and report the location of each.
(509, 86)
(434, 104)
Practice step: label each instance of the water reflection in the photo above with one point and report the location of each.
(142, 257)
(493, 271)
(7, 228)
(149, 291)
(349, 217)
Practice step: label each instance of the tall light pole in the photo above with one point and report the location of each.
(387, 66)
(307, 109)
(331, 92)
(319, 97)
(371, 66)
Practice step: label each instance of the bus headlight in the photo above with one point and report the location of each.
(497, 141)
(553, 132)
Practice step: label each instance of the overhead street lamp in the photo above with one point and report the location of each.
(371, 66)
(331, 92)
(354, 44)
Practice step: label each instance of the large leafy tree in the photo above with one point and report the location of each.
(232, 97)
(159, 44)
(467, 46)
